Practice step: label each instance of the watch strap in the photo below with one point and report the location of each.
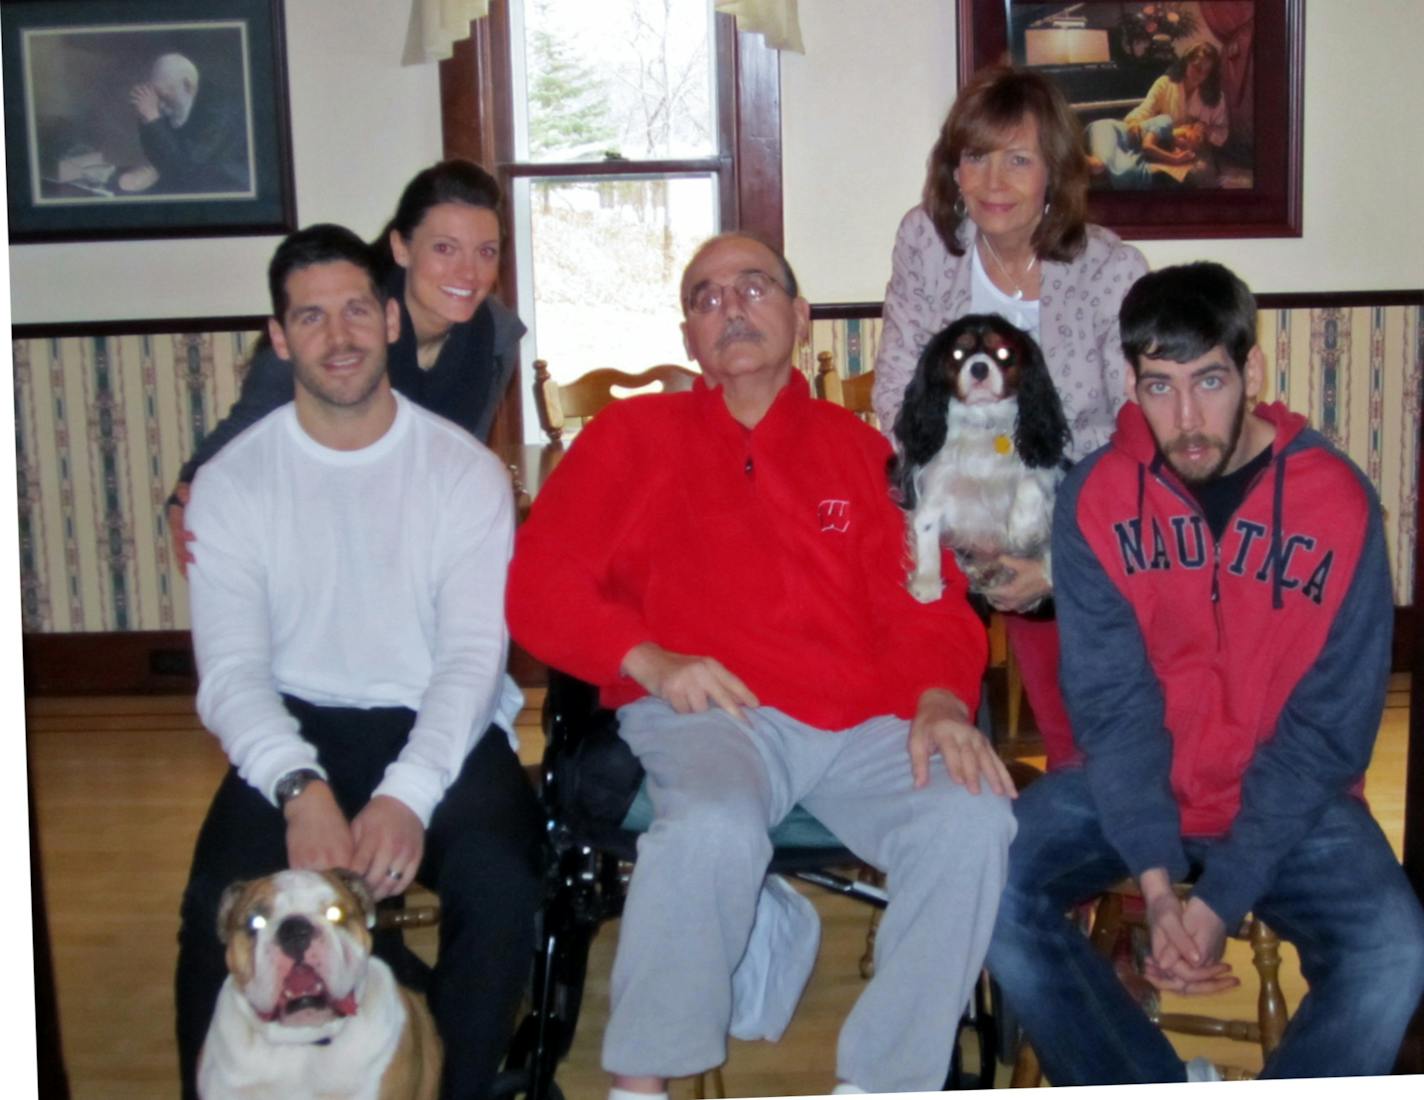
(294, 783)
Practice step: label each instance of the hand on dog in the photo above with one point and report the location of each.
(390, 841)
(318, 836)
(941, 725)
(1025, 586)
(687, 684)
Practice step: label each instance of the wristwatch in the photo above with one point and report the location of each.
(293, 784)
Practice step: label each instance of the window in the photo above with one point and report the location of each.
(624, 132)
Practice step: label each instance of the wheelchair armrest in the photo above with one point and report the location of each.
(570, 705)
(590, 776)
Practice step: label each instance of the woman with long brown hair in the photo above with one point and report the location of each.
(1001, 229)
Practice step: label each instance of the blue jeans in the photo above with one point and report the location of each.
(1340, 897)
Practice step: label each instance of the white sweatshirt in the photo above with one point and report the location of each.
(369, 578)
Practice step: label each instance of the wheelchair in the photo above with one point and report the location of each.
(595, 810)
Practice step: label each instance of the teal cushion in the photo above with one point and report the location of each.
(798, 829)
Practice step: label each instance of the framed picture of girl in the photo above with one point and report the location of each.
(1191, 109)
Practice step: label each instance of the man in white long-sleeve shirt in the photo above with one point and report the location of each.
(348, 622)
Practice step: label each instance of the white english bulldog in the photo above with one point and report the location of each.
(306, 1011)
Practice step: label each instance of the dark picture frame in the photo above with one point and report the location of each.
(128, 119)
(1266, 198)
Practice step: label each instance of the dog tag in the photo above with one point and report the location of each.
(1003, 444)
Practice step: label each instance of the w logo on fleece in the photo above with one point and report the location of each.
(834, 515)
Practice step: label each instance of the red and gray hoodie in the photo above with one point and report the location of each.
(1223, 688)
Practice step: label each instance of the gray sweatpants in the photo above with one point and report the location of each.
(717, 787)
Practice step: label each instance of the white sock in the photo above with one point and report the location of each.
(616, 1093)
(845, 1088)
(1201, 1069)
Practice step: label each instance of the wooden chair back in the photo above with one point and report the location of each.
(849, 393)
(558, 403)
(1119, 926)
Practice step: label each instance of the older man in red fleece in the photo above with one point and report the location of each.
(726, 565)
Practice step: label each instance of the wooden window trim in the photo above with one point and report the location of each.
(477, 122)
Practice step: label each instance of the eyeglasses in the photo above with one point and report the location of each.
(752, 287)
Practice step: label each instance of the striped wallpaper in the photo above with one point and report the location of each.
(102, 424)
(1353, 370)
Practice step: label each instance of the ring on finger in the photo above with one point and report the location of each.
(392, 873)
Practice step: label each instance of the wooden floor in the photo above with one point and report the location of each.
(121, 785)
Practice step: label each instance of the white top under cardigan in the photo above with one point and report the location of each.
(1078, 330)
(360, 578)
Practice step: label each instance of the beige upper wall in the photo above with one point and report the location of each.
(861, 109)
(361, 126)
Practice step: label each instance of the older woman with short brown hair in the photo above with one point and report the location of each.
(1001, 229)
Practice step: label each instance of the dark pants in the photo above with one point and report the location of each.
(1339, 896)
(483, 858)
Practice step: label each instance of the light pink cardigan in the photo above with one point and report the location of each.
(1078, 328)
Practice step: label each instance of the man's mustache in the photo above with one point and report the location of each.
(1198, 440)
(736, 330)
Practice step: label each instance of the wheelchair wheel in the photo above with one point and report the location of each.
(975, 1059)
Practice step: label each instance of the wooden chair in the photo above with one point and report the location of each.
(582, 398)
(849, 393)
(1118, 933)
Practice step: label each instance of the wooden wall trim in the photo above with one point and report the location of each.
(477, 123)
(1340, 299)
(150, 662)
(845, 311)
(824, 311)
(160, 662)
(758, 139)
(1311, 299)
(156, 326)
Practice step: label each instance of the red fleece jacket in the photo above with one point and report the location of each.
(776, 550)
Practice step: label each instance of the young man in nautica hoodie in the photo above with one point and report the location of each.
(1225, 606)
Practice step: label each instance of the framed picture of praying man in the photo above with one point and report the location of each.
(145, 118)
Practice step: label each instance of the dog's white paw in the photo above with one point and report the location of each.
(926, 589)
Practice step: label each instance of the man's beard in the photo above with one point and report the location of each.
(1199, 439)
(330, 394)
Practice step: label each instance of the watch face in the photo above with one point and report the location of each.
(292, 784)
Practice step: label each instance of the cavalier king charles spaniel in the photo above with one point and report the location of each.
(980, 442)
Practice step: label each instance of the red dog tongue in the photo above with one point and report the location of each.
(302, 980)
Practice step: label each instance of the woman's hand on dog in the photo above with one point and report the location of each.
(390, 841)
(688, 684)
(318, 836)
(941, 725)
(1026, 586)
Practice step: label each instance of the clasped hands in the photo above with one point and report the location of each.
(941, 724)
(1187, 938)
(383, 844)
